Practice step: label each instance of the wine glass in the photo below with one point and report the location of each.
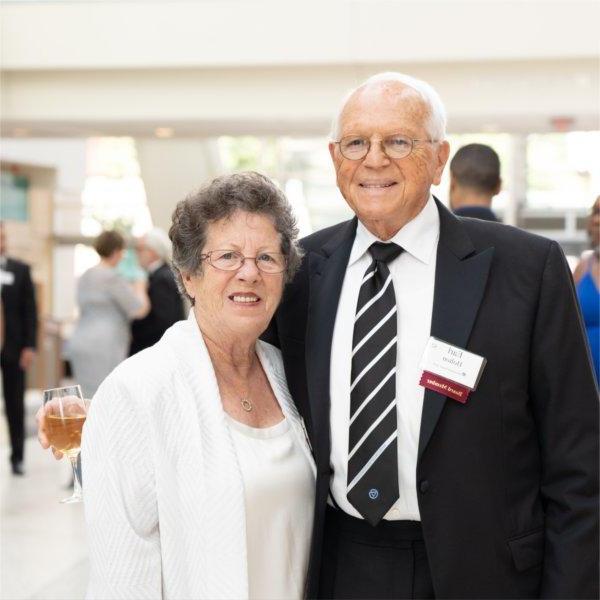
(64, 416)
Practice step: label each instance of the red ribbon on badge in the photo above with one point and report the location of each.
(445, 386)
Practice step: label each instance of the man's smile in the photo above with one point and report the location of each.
(377, 184)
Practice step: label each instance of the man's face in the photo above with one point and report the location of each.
(386, 193)
(2, 240)
(146, 256)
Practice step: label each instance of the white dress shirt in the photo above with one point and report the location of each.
(413, 275)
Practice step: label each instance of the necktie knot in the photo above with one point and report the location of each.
(385, 252)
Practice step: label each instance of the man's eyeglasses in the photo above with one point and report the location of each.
(356, 147)
(230, 260)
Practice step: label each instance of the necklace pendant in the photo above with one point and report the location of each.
(246, 404)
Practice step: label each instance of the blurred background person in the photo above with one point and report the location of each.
(587, 280)
(107, 304)
(474, 181)
(19, 318)
(154, 256)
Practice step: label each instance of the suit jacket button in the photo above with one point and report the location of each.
(424, 486)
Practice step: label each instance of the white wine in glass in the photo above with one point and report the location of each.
(64, 416)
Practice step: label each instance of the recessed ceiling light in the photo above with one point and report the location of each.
(164, 132)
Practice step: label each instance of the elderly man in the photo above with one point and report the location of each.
(463, 466)
(474, 181)
(154, 255)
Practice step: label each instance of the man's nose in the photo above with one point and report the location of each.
(376, 156)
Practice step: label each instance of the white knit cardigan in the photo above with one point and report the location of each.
(163, 492)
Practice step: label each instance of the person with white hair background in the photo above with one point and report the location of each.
(154, 255)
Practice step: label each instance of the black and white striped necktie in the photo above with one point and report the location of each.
(372, 443)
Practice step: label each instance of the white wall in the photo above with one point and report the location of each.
(214, 67)
(67, 156)
(232, 33)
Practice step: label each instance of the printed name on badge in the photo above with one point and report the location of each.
(450, 370)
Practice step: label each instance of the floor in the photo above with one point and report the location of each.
(42, 543)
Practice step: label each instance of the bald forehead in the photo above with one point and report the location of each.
(390, 101)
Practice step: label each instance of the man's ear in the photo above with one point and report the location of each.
(498, 186)
(442, 158)
(332, 151)
(452, 182)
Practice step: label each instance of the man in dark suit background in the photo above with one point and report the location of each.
(166, 307)
(474, 181)
(419, 495)
(18, 349)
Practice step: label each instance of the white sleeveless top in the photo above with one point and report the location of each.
(279, 500)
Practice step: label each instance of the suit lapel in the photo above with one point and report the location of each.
(326, 271)
(460, 278)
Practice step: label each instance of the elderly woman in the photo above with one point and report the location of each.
(198, 477)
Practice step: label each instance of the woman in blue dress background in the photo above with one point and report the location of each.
(587, 280)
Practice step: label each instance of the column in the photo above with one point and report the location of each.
(172, 168)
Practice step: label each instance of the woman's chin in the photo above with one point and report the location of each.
(246, 322)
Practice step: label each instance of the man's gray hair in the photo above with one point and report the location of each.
(158, 241)
(247, 192)
(436, 124)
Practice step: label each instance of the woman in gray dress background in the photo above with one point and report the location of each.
(107, 304)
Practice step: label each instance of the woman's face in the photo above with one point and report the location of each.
(242, 302)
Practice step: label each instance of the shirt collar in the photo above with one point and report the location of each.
(418, 237)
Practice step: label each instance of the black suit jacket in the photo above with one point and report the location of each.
(166, 308)
(508, 482)
(476, 212)
(19, 311)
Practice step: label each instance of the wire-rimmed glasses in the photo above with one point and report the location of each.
(230, 260)
(396, 145)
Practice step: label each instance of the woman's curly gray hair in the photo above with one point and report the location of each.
(249, 192)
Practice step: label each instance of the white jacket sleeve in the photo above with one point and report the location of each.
(119, 496)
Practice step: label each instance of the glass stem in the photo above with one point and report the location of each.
(76, 482)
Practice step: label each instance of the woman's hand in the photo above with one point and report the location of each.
(42, 433)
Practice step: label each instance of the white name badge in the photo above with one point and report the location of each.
(453, 363)
(6, 278)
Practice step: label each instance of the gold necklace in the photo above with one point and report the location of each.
(244, 399)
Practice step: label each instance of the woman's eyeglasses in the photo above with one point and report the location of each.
(230, 260)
